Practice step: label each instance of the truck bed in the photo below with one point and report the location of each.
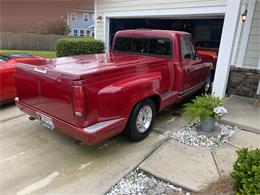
(50, 87)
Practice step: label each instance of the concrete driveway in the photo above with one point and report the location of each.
(35, 160)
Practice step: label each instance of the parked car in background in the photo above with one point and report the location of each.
(209, 48)
(7, 70)
(94, 97)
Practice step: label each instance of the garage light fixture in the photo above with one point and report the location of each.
(99, 18)
(244, 14)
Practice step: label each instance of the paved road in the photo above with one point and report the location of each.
(38, 161)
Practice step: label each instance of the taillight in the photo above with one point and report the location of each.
(79, 104)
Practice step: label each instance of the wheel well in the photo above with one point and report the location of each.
(156, 100)
(212, 74)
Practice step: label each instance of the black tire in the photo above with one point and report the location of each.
(207, 89)
(131, 131)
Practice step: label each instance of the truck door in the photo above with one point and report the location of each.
(190, 65)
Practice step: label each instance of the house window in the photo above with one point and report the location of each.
(75, 32)
(85, 17)
(92, 17)
(73, 16)
(88, 33)
(81, 33)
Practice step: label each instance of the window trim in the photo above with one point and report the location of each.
(147, 54)
(74, 33)
(83, 18)
(71, 14)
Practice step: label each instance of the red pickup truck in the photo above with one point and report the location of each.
(94, 97)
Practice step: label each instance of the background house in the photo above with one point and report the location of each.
(21, 15)
(218, 21)
(81, 23)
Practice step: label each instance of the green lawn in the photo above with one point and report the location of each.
(47, 54)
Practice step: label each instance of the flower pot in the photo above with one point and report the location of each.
(207, 125)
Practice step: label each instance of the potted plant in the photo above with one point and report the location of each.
(207, 108)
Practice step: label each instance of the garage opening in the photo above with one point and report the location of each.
(205, 32)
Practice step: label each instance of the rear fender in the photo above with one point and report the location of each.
(120, 97)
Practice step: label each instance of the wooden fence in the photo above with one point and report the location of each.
(27, 41)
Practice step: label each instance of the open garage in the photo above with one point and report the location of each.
(204, 30)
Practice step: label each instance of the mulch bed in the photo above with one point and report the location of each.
(221, 187)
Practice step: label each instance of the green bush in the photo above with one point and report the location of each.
(78, 46)
(246, 172)
(202, 107)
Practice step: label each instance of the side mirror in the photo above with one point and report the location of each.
(188, 56)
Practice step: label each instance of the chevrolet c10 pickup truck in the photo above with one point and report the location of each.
(95, 97)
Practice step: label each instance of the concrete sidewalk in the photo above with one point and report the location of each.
(193, 168)
(243, 112)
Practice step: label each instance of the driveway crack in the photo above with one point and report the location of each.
(215, 162)
(10, 118)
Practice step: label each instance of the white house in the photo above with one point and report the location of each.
(234, 23)
(81, 23)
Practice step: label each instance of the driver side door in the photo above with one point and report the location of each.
(191, 65)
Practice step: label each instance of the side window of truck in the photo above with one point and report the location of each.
(187, 47)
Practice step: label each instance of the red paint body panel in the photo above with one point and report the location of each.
(77, 132)
(7, 71)
(82, 92)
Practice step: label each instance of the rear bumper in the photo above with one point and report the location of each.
(90, 135)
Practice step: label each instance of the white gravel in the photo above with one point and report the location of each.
(137, 182)
(190, 135)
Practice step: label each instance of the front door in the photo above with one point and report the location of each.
(191, 65)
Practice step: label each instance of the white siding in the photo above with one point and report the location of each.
(137, 5)
(252, 56)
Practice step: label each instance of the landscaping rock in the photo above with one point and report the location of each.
(137, 182)
(192, 136)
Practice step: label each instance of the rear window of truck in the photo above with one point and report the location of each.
(144, 45)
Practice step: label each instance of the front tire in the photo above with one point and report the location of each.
(207, 87)
(141, 120)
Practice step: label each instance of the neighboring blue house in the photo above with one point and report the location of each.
(81, 23)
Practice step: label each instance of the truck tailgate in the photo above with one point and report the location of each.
(45, 91)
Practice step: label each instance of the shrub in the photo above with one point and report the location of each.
(78, 46)
(246, 172)
(204, 107)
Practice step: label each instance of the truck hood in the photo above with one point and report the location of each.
(86, 66)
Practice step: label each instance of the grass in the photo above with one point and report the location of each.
(47, 54)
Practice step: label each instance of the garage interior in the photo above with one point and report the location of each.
(208, 29)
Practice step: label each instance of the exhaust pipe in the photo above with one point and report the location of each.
(78, 142)
(31, 118)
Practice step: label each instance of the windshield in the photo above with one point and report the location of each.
(144, 45)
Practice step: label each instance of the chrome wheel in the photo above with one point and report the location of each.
(144, 119)
(207, 85)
